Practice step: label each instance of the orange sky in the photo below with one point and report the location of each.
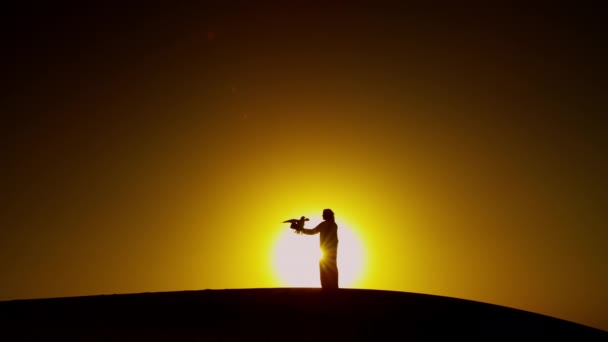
(160, 150)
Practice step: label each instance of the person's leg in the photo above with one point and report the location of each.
(335, 276)
(329, 273)
(332, 273)
(323, 274)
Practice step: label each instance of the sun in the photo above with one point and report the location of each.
(296, 257)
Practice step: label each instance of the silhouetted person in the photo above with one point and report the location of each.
(328, 265)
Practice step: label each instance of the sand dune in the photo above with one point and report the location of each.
(286, 314)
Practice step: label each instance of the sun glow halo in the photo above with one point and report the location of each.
(296, 257)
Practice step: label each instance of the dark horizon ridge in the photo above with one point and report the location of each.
(274, 314)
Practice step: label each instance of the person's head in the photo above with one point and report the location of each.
(328, 215)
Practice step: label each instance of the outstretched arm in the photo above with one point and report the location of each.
(312, 231)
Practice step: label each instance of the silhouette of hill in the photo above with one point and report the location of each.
(286, 314)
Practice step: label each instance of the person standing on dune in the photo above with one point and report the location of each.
(328, 239)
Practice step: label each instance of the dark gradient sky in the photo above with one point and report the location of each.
(157, 149)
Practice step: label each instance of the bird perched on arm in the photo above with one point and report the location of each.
(296, 224)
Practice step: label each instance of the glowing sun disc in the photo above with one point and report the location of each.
(296, 258)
